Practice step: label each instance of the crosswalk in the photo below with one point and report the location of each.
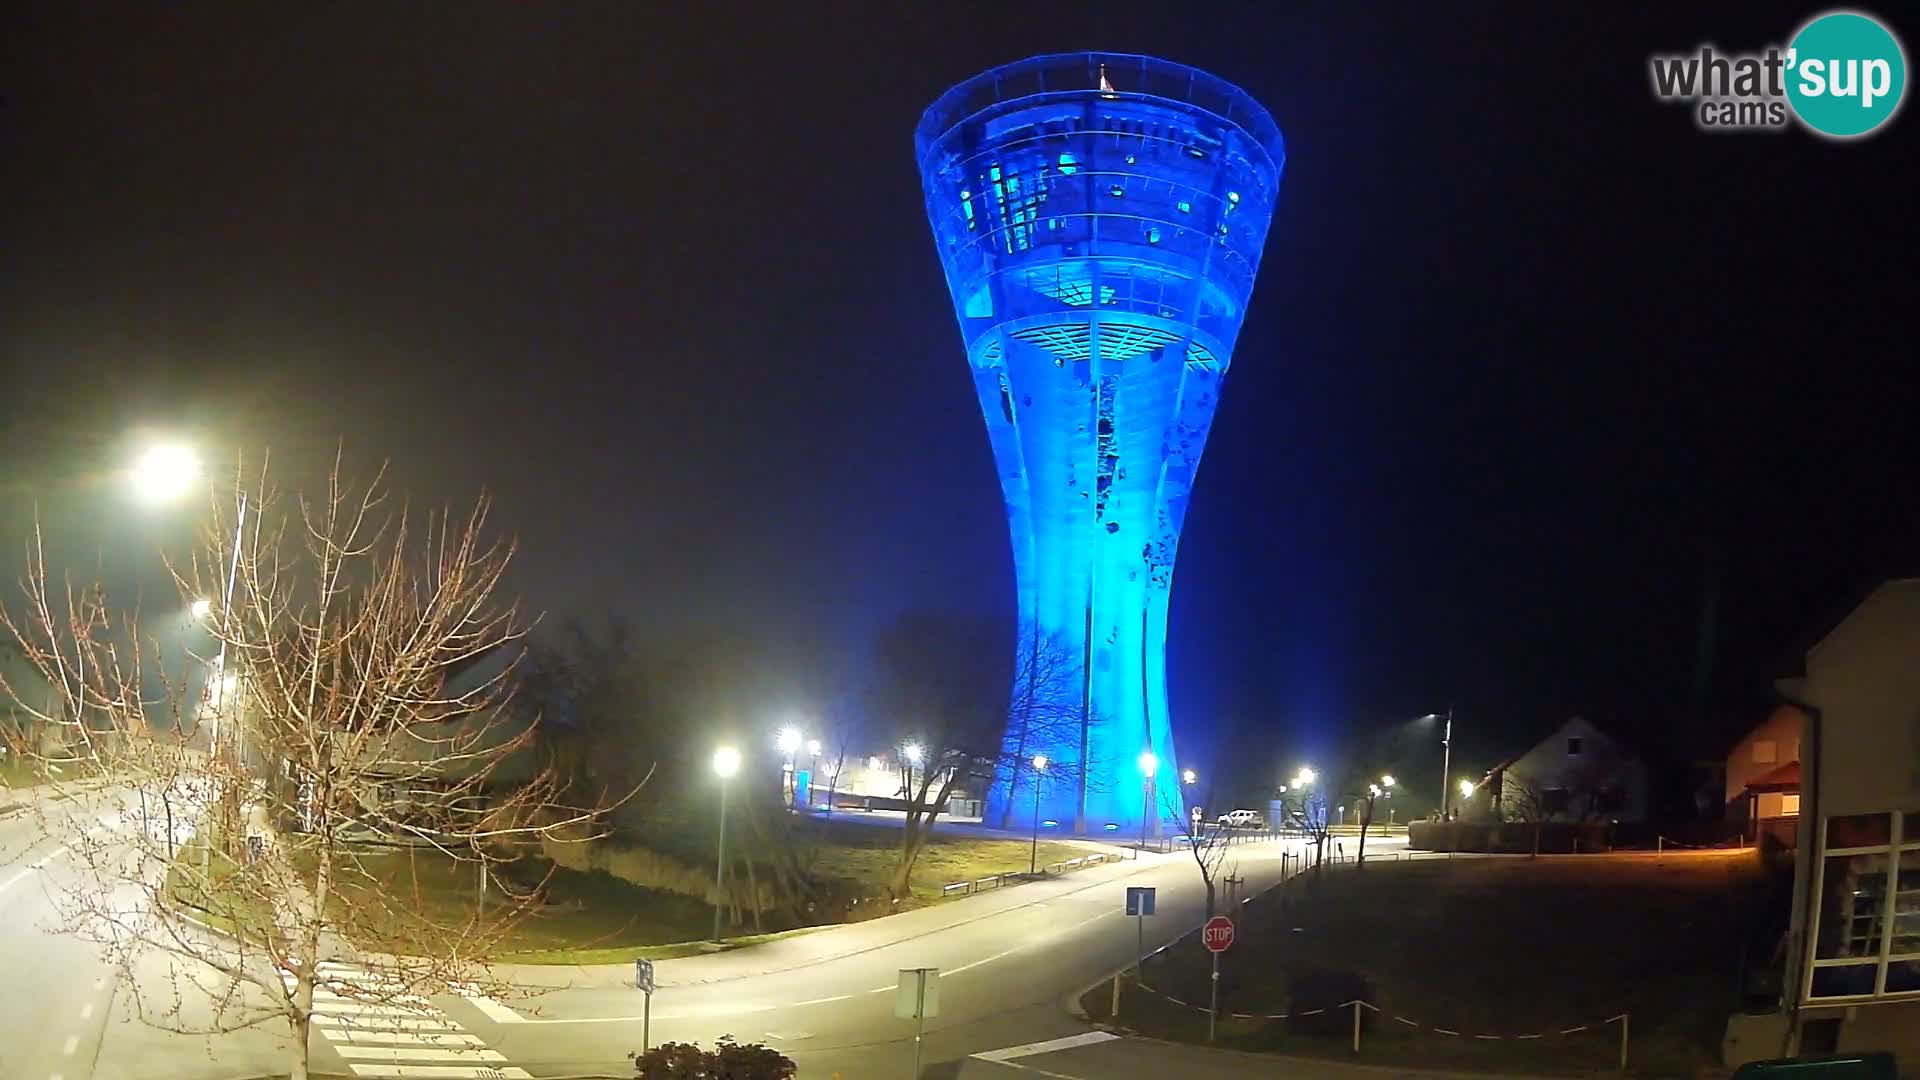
(397, 1036)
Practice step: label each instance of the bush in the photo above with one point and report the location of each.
(728, 1060)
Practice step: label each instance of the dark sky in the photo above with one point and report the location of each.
(1528, 352)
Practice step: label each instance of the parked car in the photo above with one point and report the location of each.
(1242, 819)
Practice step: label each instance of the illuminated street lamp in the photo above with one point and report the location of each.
(789, 743)
(913, 753)
(789, 740)
(1386, 781)
(726, 762)
(1039, 773)
(1148, 765)
(1305, 777)
(165, 472)
(200, 609)
(813, 747)
(1466, 790)
(1188, 777)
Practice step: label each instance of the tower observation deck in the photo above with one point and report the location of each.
(1100, 218)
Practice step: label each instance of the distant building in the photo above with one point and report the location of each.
(1579, 773)
(1763, 777)
(1853, 977)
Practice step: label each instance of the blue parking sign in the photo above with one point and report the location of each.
(1139, 899)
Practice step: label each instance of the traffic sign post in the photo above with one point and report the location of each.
(1217, 936)
(1140, 905)
(643, 982)
(917, 998)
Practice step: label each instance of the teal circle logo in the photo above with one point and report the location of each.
(1846, 74)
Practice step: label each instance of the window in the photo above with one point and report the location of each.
(1789, 805)
(1765, 751)
(1867, 923)
(1573, 745)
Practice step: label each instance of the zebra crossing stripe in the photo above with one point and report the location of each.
(442, 1072)
(398, 1054)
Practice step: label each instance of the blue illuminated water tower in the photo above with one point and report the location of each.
(1100, 217)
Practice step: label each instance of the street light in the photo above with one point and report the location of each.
(813, 747)
(913, 754)
(726, 762)
(200, 609)
(165, 472)
(1188, 777)
(1466, 790)
(1386, 781)
(1148, 764)
(1446, 757)
(1039, 773)
(1305, 776)
(789, 743)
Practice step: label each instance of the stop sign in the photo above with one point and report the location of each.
(1217, 934)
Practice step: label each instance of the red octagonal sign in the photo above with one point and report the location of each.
(1217, 934)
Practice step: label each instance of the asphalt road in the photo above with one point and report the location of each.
(1009, 960)
(58, 993)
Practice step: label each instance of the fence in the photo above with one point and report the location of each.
(996, 881)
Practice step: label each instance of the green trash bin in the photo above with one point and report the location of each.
(1875, 1066)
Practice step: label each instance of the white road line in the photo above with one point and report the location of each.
(987, 960)
(355, 1008)
(493, 1010)
(445, 1040)
(42, 861)
(823, 1001)
(882, 989)
(443, 1072)
(397, 1054)
(388, 1023)
(1087, 1038)
(8, 884)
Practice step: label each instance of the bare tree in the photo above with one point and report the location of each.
(361, 722)
(1307, 807)
(1526, 799)
(1207, 844)
(1046, 710)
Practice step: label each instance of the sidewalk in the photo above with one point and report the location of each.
(832, 943)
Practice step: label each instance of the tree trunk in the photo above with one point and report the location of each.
(1210, 900)
(1360, 860)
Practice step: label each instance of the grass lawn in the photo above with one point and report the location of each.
(1481, 947)
(863, 856)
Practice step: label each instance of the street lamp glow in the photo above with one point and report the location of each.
(1188, 777)
(813, 747)
(200, 608)
(913, 752)
(1373, 790)
(789, 740)
(1306, 776)
(1148, 763)
(1040, 762)
(1466, 789)
(1386, 781)
(165, 472)
(726, 762)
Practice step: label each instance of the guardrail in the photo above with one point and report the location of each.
(995, 881)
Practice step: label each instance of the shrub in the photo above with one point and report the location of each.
(728, 1060)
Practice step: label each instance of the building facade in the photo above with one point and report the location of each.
(1100, 218)
(1578, 773)
(1854, 981)
(1763, 776)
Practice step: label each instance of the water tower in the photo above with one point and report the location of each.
(1100, 218)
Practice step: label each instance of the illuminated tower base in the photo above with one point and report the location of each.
(1100, 218)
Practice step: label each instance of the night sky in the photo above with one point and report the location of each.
(1530, 361)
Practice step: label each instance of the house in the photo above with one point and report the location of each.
(1578, 773)
(1852, 980)
(1763, 777)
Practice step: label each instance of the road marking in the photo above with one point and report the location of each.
(443, 1072)
(72, 1044)
(1087, 1038)
(398, 1054)
(823, 1001)
(8, 884)
(987, 960)
(882, 989)
(355, 1008)
(445, 1040)
(42, 861)
(493, 1010)
(388, 1023)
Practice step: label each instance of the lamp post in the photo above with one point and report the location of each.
(165, 473)
(789, 744)
(1148, 763)
(1446, 757)
(1039, 773)
(913, 754)
(726, 762)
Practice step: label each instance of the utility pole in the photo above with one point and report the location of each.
(1446, 766)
